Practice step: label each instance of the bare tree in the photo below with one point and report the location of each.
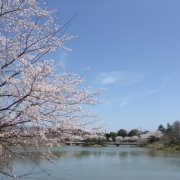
(36, 103)
(176, 129)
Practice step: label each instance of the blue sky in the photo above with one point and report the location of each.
(132, 48)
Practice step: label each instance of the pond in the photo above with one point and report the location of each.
(111, 162)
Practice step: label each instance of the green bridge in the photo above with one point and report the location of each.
(105, 143)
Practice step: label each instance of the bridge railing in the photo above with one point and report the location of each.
(105, 143)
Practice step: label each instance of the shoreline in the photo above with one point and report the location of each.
(162, 146)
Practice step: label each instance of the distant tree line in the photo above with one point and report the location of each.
(171, 133)
(122, 133)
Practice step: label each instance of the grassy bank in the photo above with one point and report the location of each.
(160, 145)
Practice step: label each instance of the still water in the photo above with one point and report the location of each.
(109, 163)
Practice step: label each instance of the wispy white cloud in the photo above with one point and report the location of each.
(109, 77)
(120, 77)
(62, 55)
(126, 100)
(167, 79)
(130, 98)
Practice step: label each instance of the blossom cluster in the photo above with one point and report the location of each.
(126, 139)
(37, 105)
(156, 134)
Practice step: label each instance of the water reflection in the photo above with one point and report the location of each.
(135, 153)
(123, 154)
(107, 162)
(111, 154)
(82, 154)
(70, 154)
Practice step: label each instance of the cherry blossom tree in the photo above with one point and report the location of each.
(135, 138)
(127, 139)
(119, 139)
(144, 137)
(37, 105)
